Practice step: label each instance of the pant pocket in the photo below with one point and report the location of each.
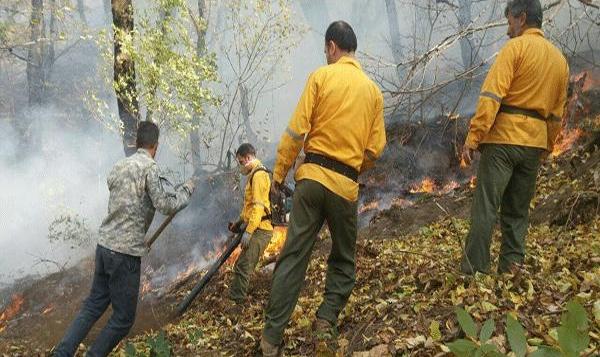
(132, 264)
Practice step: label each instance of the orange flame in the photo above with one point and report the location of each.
(146, 287)
(566, 141)
(426, 186)
(13, 308)
(473, 182)
(234, 256)
(449, 187)
(184, 274)
(279, 236)
(368, 207)
(590, 79)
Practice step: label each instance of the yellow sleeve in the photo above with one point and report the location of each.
(554, 122)
(261, 184)
(292, 139)
(494, 89)
(377, 138)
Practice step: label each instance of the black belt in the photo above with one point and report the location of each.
(331, 164)
(505, 108)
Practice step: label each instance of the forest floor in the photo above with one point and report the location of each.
(408, 281)
(407, 284)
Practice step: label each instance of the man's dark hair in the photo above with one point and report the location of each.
(147, 135)
(245, 149)
(532, 9)
(342, 34)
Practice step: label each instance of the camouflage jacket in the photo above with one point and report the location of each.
(135, 193)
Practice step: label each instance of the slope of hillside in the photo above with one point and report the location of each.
(408, 283)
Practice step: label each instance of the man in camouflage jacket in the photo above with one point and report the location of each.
(135, 193)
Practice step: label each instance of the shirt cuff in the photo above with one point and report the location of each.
(471, 142)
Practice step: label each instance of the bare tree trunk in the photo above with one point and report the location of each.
(124, 73)
(467, 46)
(81, 11)
(107, 11)
(49, 54)
(250, 134)
(200, 50)
(35, 70)
(394, 30)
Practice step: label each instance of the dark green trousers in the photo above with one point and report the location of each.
(505, 180)
(246, 263)
(313, 204)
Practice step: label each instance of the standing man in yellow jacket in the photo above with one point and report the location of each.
(339, 124)
(255, 217)
(516, 124)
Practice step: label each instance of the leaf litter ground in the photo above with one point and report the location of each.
(408, 283)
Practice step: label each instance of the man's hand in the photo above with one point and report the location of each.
(275, 188)
(191, 183)
(466, 157)
(235, 227)
(245, 240)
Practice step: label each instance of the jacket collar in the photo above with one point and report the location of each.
(144, 152)
(349, 60)
(534, 31)
(255, 165)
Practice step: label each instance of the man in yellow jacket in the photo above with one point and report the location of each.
(517, 121)
(339, 124)
(255, 217)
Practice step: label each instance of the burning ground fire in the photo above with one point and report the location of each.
(13, 308)
(473, 182)
(279, 235)
(273, 249)
(566, 141)
(154, 281)
(428, 185)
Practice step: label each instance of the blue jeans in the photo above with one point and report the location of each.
(116, 282)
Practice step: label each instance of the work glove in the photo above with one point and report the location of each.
(235, 227)
(275, 189)
(245, 240)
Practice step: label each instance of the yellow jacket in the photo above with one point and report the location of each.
(339, 115)
(529, 73)
(256, 200)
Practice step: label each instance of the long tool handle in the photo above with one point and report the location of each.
(160, 229)
(232, 244)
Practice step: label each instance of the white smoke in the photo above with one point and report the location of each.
(61, 173)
